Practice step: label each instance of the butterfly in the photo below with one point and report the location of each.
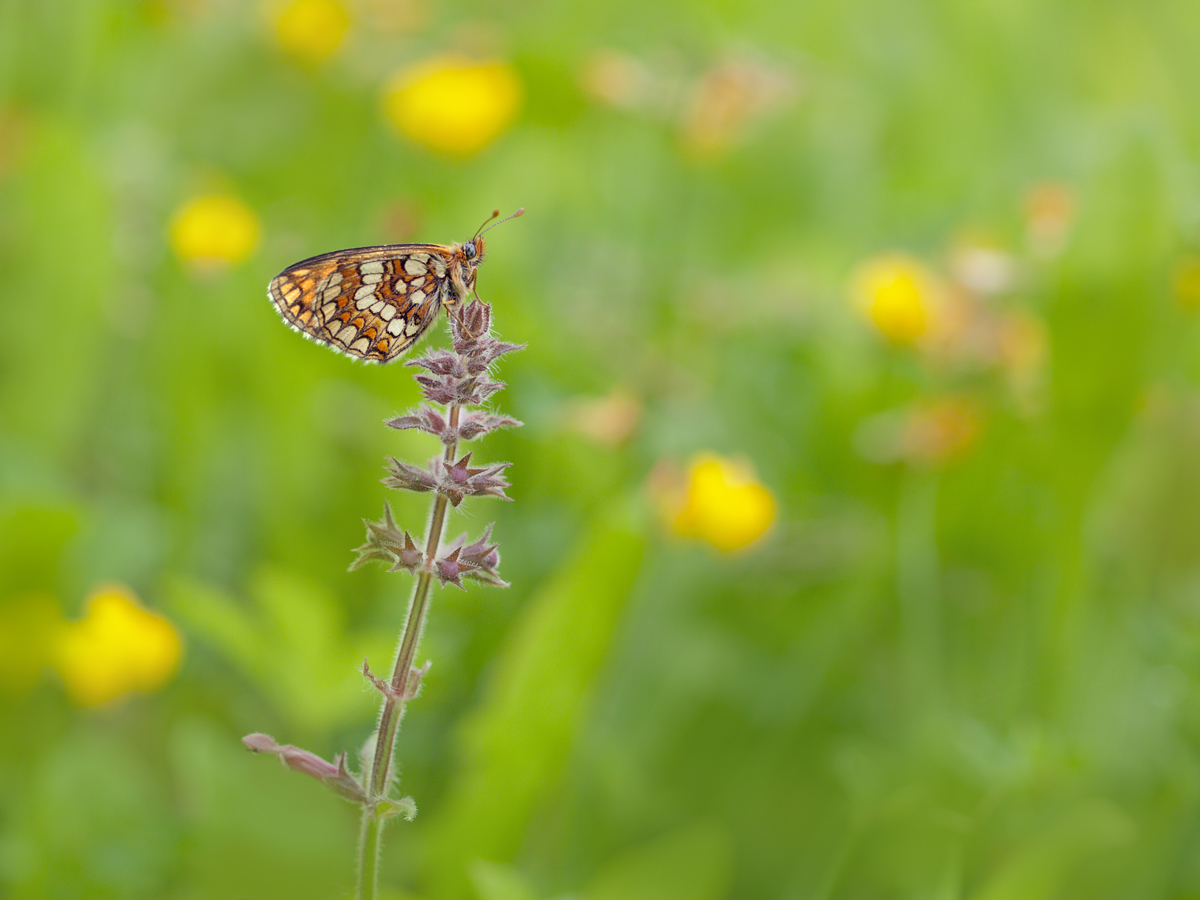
(374, 303)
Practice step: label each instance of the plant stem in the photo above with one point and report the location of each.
(393, 709)
(368, 851)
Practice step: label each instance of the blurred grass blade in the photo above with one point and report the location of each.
(516, 742)
(692, 863)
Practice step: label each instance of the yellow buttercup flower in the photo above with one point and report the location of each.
(214, 229)
(453, 105)
(118, 647)
(311, 30)
(723, 503)
(898, 294)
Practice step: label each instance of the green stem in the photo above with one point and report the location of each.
(368, 854)
(393, 709)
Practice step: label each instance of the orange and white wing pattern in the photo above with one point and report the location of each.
(372, 303)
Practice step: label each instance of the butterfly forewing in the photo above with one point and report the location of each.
(370, 302)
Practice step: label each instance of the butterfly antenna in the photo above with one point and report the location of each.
(483, 230)
(479, 230)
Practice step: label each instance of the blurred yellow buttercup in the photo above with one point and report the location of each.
(118, 647)
(722, 503)
(214, 229)
(898, 294)
(452, 104)
(311, 30)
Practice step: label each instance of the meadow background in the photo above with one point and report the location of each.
(855, 550)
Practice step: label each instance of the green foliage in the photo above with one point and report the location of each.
(962, 665)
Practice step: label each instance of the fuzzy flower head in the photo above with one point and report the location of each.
(929, 433)
(214, 230)
(722, 503)
(1049, 215)
(311, 31)
(728, 99)
(899, 296)
(453, 105)
(117, 648)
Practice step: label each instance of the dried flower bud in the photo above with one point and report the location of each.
(473, 321)
(475, 424)
(406, 477)
(472, 424)
(448, 570)
(386, 688)
(388, 544)
(487, 481)
(461, 376)
(334, 774)
(477, 560)
(441, 363)
(486, 352)
(482, 552)
(423, 418)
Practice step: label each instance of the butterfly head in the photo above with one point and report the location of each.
(470, 255)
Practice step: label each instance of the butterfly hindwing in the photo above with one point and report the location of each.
(369, 302)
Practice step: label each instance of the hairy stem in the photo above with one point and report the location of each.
(368, 854)
(393, 709)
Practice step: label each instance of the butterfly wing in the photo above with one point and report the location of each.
(372, 303)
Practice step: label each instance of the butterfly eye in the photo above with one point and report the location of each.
(469, 249)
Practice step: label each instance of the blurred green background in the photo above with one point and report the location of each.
(961, 664)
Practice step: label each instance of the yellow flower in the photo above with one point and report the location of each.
(214, 229)
(453, 105)
(898, 294)
(117, 648)
(311, 30)
(723, 503)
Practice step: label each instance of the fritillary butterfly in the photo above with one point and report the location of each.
(374, 303)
